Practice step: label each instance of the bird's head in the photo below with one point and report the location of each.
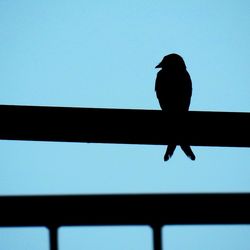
(172, 62)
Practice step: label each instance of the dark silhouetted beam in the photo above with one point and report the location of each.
(124, 126)
(148, 209)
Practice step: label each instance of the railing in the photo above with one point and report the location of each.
(225, 129)
(132, 126)
(155, 210)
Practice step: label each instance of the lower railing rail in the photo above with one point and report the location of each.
(155, 210)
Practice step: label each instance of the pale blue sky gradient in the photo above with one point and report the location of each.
(103, 54)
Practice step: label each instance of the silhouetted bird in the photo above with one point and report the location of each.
(173, 88)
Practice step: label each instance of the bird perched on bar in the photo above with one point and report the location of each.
(173, 88)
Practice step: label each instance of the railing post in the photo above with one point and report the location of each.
(157, 237)
(53, 237)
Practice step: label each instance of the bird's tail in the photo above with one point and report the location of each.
(169, 152)
(188, 151)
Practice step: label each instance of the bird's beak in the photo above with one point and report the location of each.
(159, 65)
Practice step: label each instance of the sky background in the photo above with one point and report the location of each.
(103, 54)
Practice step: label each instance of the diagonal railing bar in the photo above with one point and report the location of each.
(127, 126)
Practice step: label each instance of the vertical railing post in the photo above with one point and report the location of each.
(157, 237)
(53, 237)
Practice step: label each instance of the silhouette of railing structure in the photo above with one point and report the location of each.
(155, 210)
(124, 126)
(225, 129)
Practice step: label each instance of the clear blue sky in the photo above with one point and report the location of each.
(103, 54)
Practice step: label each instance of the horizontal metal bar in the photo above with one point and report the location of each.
(143, 209)
(124, 126)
